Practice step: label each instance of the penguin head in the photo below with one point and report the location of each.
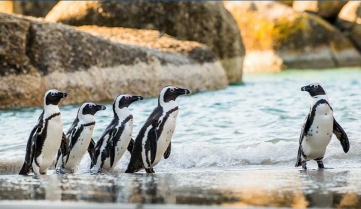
(170, 93)
(90, 108)
(53, 97)
(124, 100)
(314, 89)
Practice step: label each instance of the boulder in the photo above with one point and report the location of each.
(276, 37)
(36, 56)
(6, 6)
(288, 3)
(349, 21)
(326, 9)
(205, 22)
(34, 8)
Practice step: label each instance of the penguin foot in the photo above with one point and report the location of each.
(95, 171)
(59, 171)
(149, 170)
(320, 164)
(128, 171)
(304, 165)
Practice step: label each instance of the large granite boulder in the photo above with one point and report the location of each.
(288, 3)
(205, 22)
(276, 37)
(349, 21)
(28, 8)
(326, 9)
(6, 6)
(36, 56)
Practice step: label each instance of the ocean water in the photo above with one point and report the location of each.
(252, 125)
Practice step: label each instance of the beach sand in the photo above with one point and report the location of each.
(284, 187)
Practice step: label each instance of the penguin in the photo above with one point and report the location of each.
(46, 137)
(117, 137)
(80, 138)
(154, 138)
(317, 130)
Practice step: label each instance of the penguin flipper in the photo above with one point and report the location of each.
(135, 164)
(341, 136)
(304, 129)
(74, 136)
(130, 146)
(299, 161)
(30, 148)
(111, 152)
(91, 149)
(97, 148)
(152, 142)
(167, 152)
(64, 146)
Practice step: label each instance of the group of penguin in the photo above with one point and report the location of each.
(153, 142)
(47, 142)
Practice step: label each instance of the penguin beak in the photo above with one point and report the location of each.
(181, 91)
(100, 107)
(306, 88)
(136, 98)
(61, 94)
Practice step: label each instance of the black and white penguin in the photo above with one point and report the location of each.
(46, 137)
(318, 128)
(154, 138)
(117, 137)
(80, 138)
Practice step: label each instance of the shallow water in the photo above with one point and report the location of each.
(254, 124)
(272, 188)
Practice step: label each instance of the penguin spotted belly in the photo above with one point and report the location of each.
(51, 143)
(320, 133)
(79, 149)
(165, 137)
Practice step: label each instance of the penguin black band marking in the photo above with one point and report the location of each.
(52, 116)
(89, 124)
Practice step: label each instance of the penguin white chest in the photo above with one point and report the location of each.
(52, 142)
(165, 136)
(80, 148)
(319, 135)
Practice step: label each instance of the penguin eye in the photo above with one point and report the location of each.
(52, 94)
(172, 90)
(315, 86)
(91, 106)
(127, 97)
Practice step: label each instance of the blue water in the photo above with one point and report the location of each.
(253, 124)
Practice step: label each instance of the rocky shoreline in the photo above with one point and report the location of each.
(92, 68)
(96, 50)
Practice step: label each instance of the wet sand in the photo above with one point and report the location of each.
(285, 187)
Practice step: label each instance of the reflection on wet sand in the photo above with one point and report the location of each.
(277, 188)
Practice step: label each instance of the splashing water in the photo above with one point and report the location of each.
(253, 124)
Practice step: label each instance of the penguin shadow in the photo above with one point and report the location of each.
(323, 188)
